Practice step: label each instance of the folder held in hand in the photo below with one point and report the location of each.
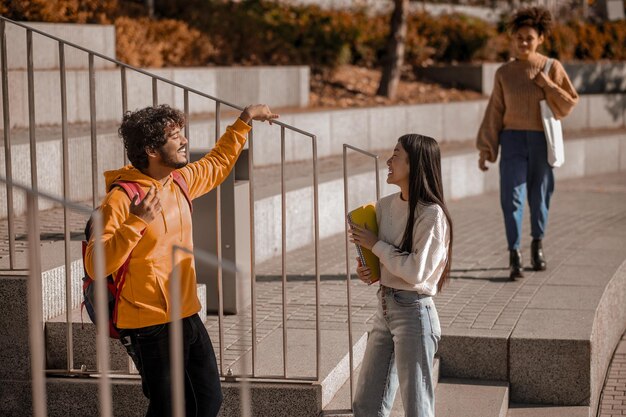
(365, 216)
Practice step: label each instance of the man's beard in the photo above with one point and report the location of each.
(170, 161)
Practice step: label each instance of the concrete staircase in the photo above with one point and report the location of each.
(454, 398)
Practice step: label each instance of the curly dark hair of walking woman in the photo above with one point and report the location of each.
(538, 18)
(146, 129)
(425, 187)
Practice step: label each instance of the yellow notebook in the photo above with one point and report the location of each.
(366, 216)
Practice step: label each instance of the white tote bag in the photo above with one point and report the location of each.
(553, 130)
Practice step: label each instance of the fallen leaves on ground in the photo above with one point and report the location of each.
(351, 86)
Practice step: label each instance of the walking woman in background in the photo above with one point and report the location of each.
(414, 246)
(513, 122)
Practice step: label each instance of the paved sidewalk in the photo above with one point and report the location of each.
(613, 403)
(479, 294)
(478, 297)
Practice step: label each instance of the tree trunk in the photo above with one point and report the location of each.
(150, 7)
(394, 56)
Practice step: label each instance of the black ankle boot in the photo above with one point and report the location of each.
(536, 255)
(515, 264)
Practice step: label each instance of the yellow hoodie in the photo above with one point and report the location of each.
(145, 297)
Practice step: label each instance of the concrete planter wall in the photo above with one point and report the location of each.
(98, 38)
(461, 178)
(368, 128)
(280, 86)
(588, 78)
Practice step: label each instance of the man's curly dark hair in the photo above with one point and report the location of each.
(538, 18)
(145, 129)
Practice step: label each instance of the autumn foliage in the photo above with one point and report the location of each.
(257, 32)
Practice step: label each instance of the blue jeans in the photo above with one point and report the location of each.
(203, 393)
(524, 169)
(400, 350)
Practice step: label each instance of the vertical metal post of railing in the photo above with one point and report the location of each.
(66, 215)
(186, 110)
(252, 246)
(7, 143)
(31, 119)
(94, 137)
(155, 92)
(31, 111)
(102, 327)
(244, 385)
(316, 211)
(124, 101)
(176, 341)
(283, 210)
(348, 275)
(35, 311)
(218, 229)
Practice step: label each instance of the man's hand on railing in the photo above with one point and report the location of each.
(260, 112)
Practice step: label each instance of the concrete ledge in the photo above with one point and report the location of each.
(285, 86)
(587, 78)
(563, 360)
(488, 350)
(268, 399)
(359, 127)
(461, 179)
(84, 338)
(14, 362)
(99, 38)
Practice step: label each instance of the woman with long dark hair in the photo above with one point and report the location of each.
(414, 246)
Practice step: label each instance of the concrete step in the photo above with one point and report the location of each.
(533, 410)
(334, 367)
(471, 398)
(84, 340)
(453, 398)
(268, 399)
(276, 399)
(341, 404)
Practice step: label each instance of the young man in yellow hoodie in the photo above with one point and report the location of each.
(145, 231)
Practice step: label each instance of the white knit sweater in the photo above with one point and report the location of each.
(420, 270)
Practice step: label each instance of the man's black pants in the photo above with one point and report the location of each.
(203, 393)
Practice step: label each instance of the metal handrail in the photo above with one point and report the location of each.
(347, 147)
(67, 205)
(147, 73)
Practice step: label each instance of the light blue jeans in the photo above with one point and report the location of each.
(400, 350)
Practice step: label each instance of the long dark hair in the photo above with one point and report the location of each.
(425, 187)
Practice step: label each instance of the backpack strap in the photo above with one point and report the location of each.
(119, 280)
(180, 180)
(132, 189)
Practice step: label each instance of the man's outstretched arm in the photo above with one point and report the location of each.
(204, 175)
